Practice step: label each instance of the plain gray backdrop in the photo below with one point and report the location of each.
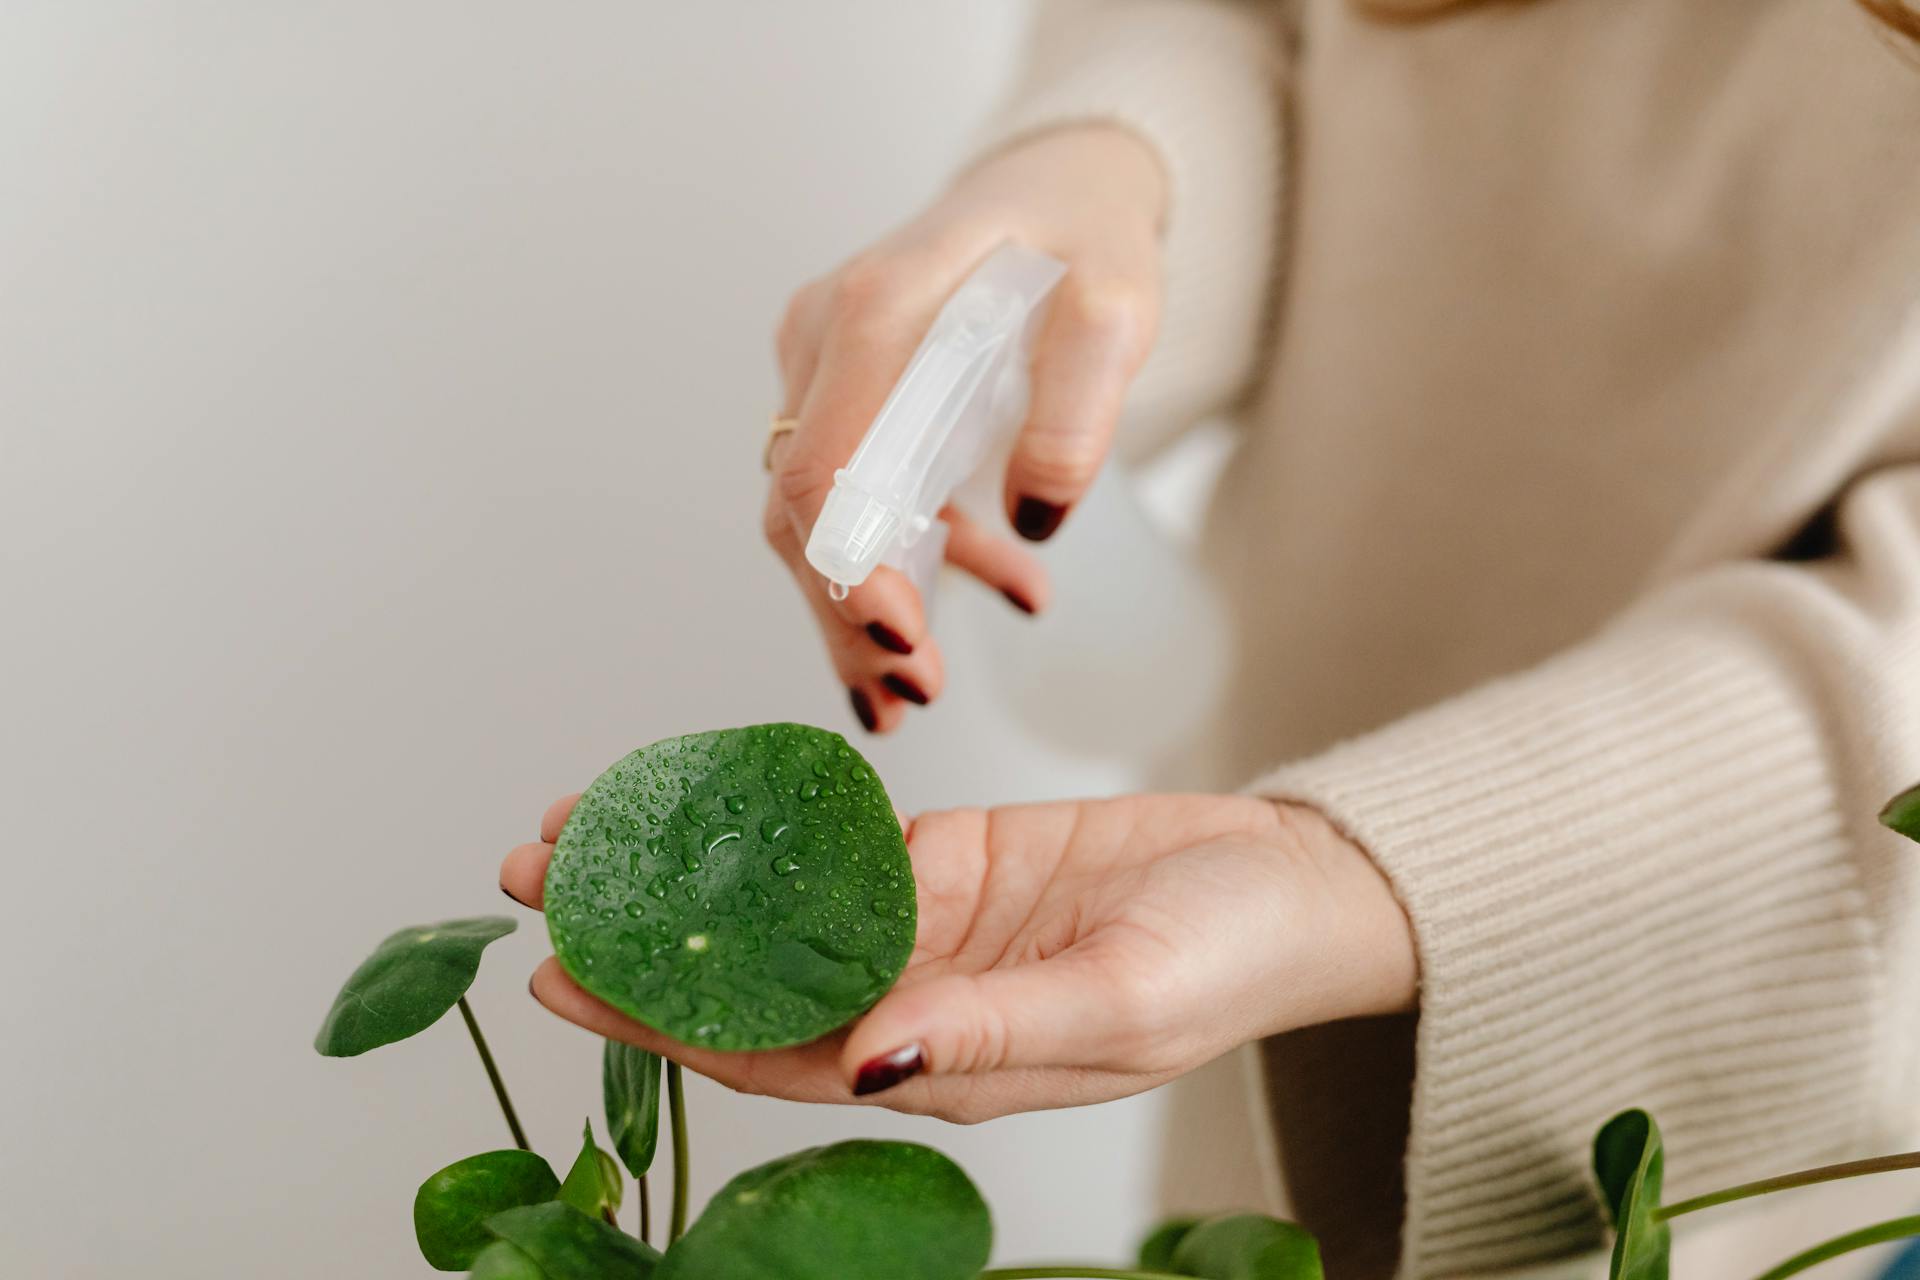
(381, 398)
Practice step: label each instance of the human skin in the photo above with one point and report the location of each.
(1093, 196)
(1074, 952)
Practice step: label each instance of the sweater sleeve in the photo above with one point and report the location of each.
(1648, 873)
(1200, 81)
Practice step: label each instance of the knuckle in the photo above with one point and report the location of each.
(1057, 458)
(992, 1041)
(799, 479)
(867, 284)
(1116, 311)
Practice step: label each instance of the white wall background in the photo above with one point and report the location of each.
(381, 389)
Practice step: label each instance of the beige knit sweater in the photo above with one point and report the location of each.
(1578, 351)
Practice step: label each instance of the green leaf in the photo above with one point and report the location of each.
(593, 1185)
(630, 1081)
(410, 979)
(1156, 1251)
(1248, 1246)
(1864, 1238)
(501, 1261)
(853, 1211)
(568, 1245)
(1902, 813)
(744, 889)
(1628, 1162)
(451, 1208)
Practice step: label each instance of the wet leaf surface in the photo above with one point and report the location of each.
(742, 889)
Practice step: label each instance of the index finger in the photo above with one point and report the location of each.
(876, 315)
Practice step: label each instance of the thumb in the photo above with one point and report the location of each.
(1096, 337)
(1053, 1012)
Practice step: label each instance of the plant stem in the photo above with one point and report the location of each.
(1880, 1233)
(493, 1074)
(677, 1112)
(1071, 1271)
(1787, 1181)
(646, 1212)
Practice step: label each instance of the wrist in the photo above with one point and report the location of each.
(1364, 937)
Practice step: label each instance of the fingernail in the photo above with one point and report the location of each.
(1035, 520)
(905, 688)
(887, 638)
(1019, 602)
(509, 893)
(863, 707)
(888, 1070)
(532, 992)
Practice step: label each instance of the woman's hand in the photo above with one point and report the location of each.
(1073, 953)
(1091, 196)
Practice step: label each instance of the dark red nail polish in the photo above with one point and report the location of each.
(863, 707)
(531, 991)
(905, 688)
(509, 893)
(887, 638)
(1019, 602)
(888, 1070)
(1035, 520)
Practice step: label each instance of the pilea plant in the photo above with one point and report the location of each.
(750, 889)
(741, 890)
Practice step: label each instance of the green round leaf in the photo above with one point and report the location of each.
(410, 979)
(451, 1208)
(1156, 1251)
(593, 1183)
(568, 1245)
(1902, 813)
(1629, 1162)
(501, 1261)
(630, 1082)
(745, 889)
(852, 1211)
(1248, 1246)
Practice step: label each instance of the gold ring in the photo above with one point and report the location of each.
(777, 426)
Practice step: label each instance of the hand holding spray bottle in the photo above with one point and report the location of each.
(957, 408)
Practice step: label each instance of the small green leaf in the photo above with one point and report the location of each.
(1248, 1246)
(593, 1184)
(630, 1081)
(744, 889)
(501, 1261)
(410, 979)
(1628, 1163)
(1902, 813)
(451, 1208)
(1156, 1251)
(853, 1211)
(568, 1245)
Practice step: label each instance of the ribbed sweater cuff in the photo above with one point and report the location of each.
(1629, 885)
(1199, 81)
